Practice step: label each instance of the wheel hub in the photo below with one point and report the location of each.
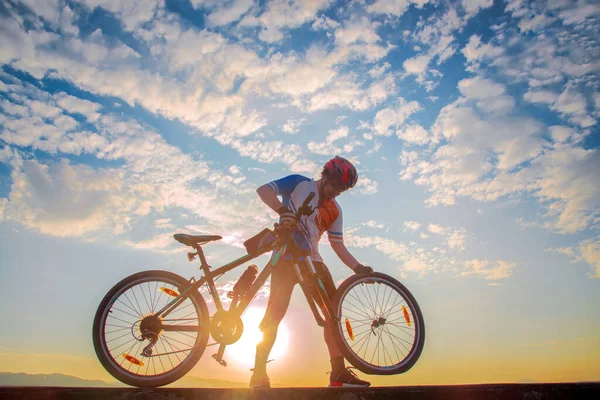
(150, 327)
(226, 328)
(378, 322)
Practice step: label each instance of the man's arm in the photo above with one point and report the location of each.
(269, 197)
(342, 252)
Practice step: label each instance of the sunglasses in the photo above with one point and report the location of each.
(338, 187)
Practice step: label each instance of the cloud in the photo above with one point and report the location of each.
(472, 7)
(132, 13)
(412, 225)
(463, 159)
(157, 243)
(557, 175)
(587, 251)
(348, 92)
(272, 151)
(365, 185)
(541, 96)
(590, 252)
(75, 105)
(374, 224)
(480, 88)
(360, 30)
(490, 270)
(64, 198)
(573, 105)
(421, 261)
(580, 13)
(224, 13)
(437, 229)
(415, 134)
(329, 147)
(455, 239)
(558, 74)
(389, 120)
(163, 223)
(437, 35)
(281, 15)
(475, 51)
(292, 126)
(204, 94)
(394, 8)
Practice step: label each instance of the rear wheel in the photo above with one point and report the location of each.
(141, 349)
(380, 328)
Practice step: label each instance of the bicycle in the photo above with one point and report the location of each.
(136, 330)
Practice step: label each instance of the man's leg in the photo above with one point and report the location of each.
(340, 375)
(282, 286)
(337, 359)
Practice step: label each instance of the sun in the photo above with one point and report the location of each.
(244, 349)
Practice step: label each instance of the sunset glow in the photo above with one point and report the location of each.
(244, 350)
(473, 125)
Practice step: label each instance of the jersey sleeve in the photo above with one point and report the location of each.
(285, 186)
(335, 231)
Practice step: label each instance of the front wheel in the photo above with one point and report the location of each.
(140, 348)
(380, 328)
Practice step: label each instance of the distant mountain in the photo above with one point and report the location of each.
(196, 382)
(22, 379)
(527, 381)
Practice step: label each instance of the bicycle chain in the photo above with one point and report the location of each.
(180, 351)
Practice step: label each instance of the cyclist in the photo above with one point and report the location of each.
(337, 176)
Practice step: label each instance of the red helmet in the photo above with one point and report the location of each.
(340, 172)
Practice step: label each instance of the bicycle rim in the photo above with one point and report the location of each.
(380, 324)
(121, 330)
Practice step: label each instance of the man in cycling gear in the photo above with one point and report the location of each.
(337, 176)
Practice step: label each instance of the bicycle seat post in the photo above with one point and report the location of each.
(203, 264)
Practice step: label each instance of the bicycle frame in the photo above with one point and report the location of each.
(209, 275)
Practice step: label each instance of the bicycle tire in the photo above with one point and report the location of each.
(344, 336)
(99, 331)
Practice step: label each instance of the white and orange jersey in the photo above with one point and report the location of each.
(294, 189)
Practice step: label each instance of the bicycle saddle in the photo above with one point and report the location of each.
(192, 241)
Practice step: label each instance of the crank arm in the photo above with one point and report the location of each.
(219, 355)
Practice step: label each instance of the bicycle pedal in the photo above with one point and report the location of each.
(219, 360)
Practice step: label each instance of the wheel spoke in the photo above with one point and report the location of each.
(125, 312)
(366, 312)
(134, 307)
(117, 338)
(400, 340)
(128, 306)
(119, 319)
(368, 299)
(381, 339)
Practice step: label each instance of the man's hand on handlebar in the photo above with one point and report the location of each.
(362, 269)
(286, 217)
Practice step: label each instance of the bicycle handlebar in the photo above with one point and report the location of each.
(283, 231)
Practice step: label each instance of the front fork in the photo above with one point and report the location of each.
(315, 296)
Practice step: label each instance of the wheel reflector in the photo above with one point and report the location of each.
(406, 316)
(133, 360)
(169, 292)
(349, 329)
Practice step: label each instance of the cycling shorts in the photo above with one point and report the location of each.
(284, 271)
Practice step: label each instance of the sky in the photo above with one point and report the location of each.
(473, 125)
